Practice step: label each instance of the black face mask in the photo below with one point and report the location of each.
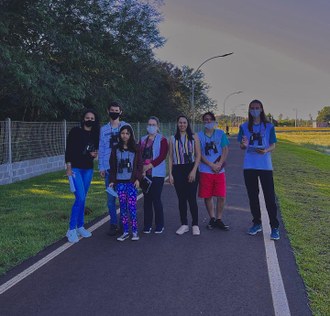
(89, 123)
(114, 115)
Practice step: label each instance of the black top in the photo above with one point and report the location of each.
(78, 147)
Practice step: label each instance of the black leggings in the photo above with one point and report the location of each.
(186, 192)
(252, 186)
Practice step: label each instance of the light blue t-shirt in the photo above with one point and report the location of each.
(211, 148)
(125, 162)
(253, 160)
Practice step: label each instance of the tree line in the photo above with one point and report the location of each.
(58, 57)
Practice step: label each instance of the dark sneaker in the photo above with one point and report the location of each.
(255, 229)
(221, 225)
(147, 230)
(159, 230)
(113, 230)
(275, 234)
(211, 223)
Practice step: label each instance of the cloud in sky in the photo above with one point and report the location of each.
(280, 50)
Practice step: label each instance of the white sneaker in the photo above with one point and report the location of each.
(72, 236)
(135, 236)
(81, 231)
(123, 237)
(183, 229)
(195, 230)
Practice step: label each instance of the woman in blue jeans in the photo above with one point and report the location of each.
(154, 149)
(81, 149)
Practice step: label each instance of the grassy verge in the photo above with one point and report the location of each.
(35, 213)
(302, 184)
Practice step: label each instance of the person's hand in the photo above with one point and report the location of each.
(93, 154)
(192, 176)
(215, 167)
(137, 184)
(219, 166)
(102, 173)
(261, 151)
(147, 167)
(245, 141)
(69, 172)
(111, 185)
(171, 179)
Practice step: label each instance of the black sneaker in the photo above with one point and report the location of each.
(113, 230)
(221, 225)
(211, 223)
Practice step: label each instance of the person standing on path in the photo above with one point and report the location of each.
(81, 149)
(257, 137)
(184, 158)
(212, 178)
(108, 139)
(125, 173)
(154, 148)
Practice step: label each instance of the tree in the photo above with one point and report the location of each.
(324, 115)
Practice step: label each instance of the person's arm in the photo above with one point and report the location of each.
(138, 167)
(113, 166)
(101, 154)
(242, 139)
(192, 174)
(170, 162)
(272, 141)
(69, 151)
(162, 154)
(225, 151)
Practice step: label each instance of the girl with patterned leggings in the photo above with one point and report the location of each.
(125, 172)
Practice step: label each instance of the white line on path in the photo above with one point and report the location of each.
(280, 301)
(21, 276)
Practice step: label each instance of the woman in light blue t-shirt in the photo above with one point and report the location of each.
(257, 137)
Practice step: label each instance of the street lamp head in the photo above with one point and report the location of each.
(225, 55)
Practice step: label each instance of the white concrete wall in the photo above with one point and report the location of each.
(30, 168)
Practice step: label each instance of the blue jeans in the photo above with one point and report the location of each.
(82, 179)
(111, 201)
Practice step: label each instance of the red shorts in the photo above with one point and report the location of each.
(212, 185)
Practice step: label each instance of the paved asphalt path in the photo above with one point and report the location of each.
(216, 273)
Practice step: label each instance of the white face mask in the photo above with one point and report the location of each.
(255, 113)
(151, 129)
(210, 125)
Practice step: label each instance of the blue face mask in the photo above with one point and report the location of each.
(255, 113)
(210, 125)
(152, 129)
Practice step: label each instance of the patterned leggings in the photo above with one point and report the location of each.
(127, 194)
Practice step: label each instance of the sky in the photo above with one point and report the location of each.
(281, 51)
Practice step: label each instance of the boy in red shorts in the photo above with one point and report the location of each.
(212, 178)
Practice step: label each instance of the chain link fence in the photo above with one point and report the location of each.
(24, 144)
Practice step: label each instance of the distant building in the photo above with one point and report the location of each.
(320, 124)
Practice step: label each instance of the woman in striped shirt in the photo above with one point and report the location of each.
(184, 158)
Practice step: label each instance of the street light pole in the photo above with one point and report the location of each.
(193, 84)
(226, 98)
(295, 121)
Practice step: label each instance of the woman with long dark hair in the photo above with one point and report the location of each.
(184, 158)
(257, 137)
(81, 150)
(125, 174)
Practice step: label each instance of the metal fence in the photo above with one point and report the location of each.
(20, 141)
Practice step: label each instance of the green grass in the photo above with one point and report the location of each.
(35, 213)
(302, 185)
